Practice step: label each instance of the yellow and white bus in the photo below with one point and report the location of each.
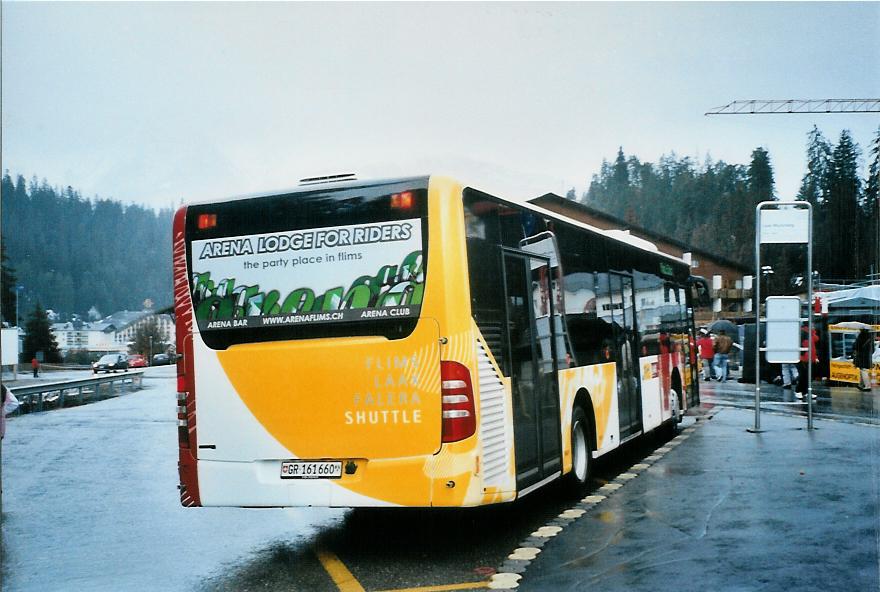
(414, 342)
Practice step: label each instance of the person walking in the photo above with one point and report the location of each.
(863, 354)
(7, 406)
(707, 352)
(723, 345)
(809, 347)
(10, 404)
(789, 375)
(35, 364)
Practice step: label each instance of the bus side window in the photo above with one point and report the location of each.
(487, 296)
(653, 311)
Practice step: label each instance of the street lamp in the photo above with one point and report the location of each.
(766, 272)
(18, 290)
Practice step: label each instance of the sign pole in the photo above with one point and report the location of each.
(758, 275)
(793, 224)
(810, 347)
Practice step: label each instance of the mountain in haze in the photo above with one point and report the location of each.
(75, 255)
(72, 254)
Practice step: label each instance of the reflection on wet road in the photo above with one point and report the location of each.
(842, 403)
(90, 502)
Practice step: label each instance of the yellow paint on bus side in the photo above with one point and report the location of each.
(372, 400)
(600, 382)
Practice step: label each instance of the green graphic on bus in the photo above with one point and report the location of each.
(401, 286)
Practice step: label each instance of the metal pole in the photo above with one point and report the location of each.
(758, 275)
(809, 392)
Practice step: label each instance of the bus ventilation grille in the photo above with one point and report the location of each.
(493, 421)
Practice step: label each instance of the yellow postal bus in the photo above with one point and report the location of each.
(414, 342)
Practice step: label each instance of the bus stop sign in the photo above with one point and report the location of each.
(783, 329)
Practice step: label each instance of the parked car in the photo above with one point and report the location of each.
(161, 359)
(137, 361)
(111, 363)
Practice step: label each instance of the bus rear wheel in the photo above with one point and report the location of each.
(578, 480)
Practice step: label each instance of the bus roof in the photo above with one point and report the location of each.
(316, 187)
(614, 234)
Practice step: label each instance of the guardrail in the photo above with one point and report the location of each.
(55, 395)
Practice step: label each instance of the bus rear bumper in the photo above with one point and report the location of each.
(259, 484)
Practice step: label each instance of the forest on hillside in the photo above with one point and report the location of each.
(711, 205)
(74, 255)
(93, 257)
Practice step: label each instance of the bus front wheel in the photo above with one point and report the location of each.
(579, 477)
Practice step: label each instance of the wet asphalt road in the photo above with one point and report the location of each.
(90, 503)
(838, 402)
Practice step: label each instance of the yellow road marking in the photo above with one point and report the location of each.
(343, 578)
(346, 582)
(443, 588)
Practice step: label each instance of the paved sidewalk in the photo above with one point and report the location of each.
(724, 509)
(45, 376)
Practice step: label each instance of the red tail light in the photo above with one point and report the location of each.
(402, 200)
(206, 221)
(459, 417)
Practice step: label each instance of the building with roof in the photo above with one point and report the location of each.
(730, 282)
(861, 303)
(110, 334)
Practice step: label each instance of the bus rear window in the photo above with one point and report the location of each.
(312, 264)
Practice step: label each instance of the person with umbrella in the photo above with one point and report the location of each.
(723, 345)
(863, 354)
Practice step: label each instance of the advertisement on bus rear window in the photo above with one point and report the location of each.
(321, 275)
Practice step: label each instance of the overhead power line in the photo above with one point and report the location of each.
(760, 107)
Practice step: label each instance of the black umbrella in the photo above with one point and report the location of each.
(729, 328)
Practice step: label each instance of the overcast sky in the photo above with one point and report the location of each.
(159, 102)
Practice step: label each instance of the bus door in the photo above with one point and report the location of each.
(629, 400)
(530, 333)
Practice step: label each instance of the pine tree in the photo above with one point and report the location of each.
(598, 194)
(870, 215)
(7, 286)
(620, 178)
(842, 210)
(815, 184)
(815, 188)
(759, 187)
(761, 184)
(39, 338)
